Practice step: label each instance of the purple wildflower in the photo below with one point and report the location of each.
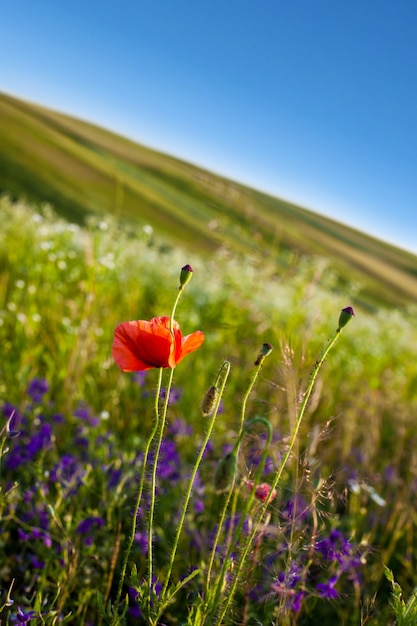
(140, 378)
(296, 509)
(334, 547)
(39, 533)
(169, 461)
(37, 388)
(23, 617)
(86, 525)
(208, 450)
(141, 538)
(175, 394)
(69, 472)
(84, 413)
(66, 469)
(285, 586)
(134, 609)
(233, 522)
(254, 458)
(327, 590)
(114, 476)
(27, 449)
(36, 563)
(179, 427)
(198, 506)
(39, 441)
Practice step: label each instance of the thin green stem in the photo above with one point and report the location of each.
(131, 537)
(224, 373)
(157, 452)
(2, 444)
(247, 508)
(302, 408)
(153, 481)
(241, 432)
(229, 495)
(217, 538)
(245, 401)
(174, 308)
(300, 415)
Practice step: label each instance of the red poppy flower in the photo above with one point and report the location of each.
(141, 345)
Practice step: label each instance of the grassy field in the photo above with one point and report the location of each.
(83, 170)
(142, 498)
(75, 431)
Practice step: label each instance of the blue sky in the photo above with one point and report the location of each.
(315, 102)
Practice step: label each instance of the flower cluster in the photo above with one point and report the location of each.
(321, 571)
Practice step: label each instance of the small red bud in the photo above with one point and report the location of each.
(262, 491)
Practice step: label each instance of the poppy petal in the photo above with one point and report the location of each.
(141, 345)
(190, 343)
(161, 325)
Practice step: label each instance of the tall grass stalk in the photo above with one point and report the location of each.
(343, 320)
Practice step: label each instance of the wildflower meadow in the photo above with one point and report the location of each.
(198, 441)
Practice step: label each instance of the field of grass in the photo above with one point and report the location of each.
(75, 432)
(83, 170)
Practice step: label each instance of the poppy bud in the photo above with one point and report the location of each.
(262, 491)
(209, 401)
(225, 472)
(345, 317)
(186, 274)
(265, 351)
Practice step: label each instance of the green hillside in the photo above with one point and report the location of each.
(82, 169)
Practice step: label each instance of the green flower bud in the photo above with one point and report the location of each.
(186, 274)
(209, 401)
(265, 351)
(345, 317)
(225, 472)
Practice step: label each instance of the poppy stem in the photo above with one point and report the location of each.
(237, 531)
(303, 406)
(223, 376)
(132, 534)
(154, 476)
(231, 490)
(244, 403)
(174, 308)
